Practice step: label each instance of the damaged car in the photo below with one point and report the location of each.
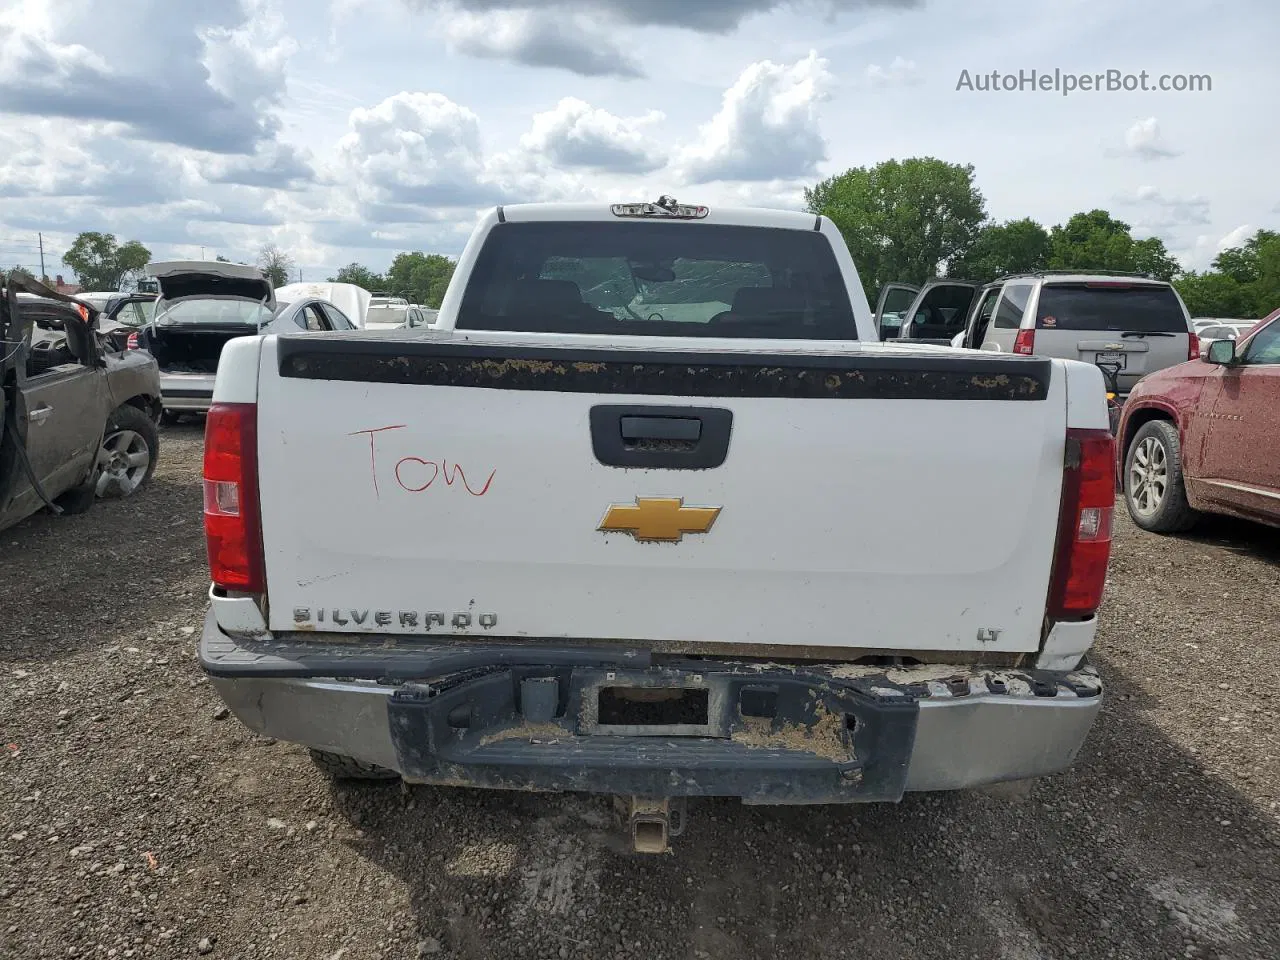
(120, 314)
(79, 421)
(202, 306)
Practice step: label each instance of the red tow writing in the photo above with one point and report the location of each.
(418, 474)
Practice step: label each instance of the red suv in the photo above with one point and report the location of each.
(1204, 436)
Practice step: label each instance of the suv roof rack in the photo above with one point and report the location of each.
(1077, 271)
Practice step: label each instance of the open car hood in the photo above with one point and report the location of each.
(211, 280)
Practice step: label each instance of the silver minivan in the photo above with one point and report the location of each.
(1134, 324)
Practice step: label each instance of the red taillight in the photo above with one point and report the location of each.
(232, 524)
(132, 342)
(1084, 526)
(1025, 342)
(1193, 346)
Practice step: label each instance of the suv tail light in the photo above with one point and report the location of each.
(1084, 525)
(132, 342)
(1193, 346)
(232, 522)
(1025, 342)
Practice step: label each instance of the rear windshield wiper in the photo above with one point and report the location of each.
(1145, 333)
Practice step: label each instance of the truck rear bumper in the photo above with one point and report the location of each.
(466, 714)
(186, 392)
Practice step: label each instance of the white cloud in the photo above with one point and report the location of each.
(1161, 210)
(767, 127)
(571, 42)
(59, 159)
(277, 165)
(581, 35)
(417, 149)
(1200, 255)
(706, 16)
(1145, 141)
(1237, 237)
(206, 77)
(575, 134)
(900, 73)
(773, 194)
(246, 63)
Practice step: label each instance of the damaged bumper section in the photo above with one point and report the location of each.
(624, 721)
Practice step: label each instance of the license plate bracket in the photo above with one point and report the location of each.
(1118, 359)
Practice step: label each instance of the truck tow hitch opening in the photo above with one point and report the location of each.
(653, 821)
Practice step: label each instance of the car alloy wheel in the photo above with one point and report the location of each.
(1148, 476)
(124, 459)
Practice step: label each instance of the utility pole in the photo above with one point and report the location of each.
(40, 237)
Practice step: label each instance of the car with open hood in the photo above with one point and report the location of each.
(79, 420)
(202, 306)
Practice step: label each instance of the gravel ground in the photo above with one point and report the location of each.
(136, 820)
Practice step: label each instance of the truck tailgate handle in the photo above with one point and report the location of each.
(660, 437)
(688, 429)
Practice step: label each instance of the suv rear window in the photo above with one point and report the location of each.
(1114, 307)
(658, 279)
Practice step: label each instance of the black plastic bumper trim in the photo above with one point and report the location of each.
(809, 752)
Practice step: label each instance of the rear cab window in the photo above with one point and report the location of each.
(658, 279)
(1113, 306)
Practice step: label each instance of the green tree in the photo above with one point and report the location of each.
(1255, 267)
(420, 277)
(903, 220)
(1015, 246)
(276, 264)
(361, 276)
(1098, 241)
(1243, 264)
(1213, 294)
(102, 263)
(1266, 291)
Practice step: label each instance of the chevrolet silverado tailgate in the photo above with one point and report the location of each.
(873, 498)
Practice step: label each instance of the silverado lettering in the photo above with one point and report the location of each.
(408, 619)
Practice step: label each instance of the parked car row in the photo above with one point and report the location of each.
(1135, 324)
(86, 379)
(1209, 329)
(398, 315)
(1195, 404)
(203, 304)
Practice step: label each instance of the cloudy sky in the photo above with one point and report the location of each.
(347, 130)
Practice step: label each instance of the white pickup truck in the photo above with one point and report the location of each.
(650, 512)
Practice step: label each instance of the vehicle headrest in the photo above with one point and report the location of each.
(761, 301)
(536, 296)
